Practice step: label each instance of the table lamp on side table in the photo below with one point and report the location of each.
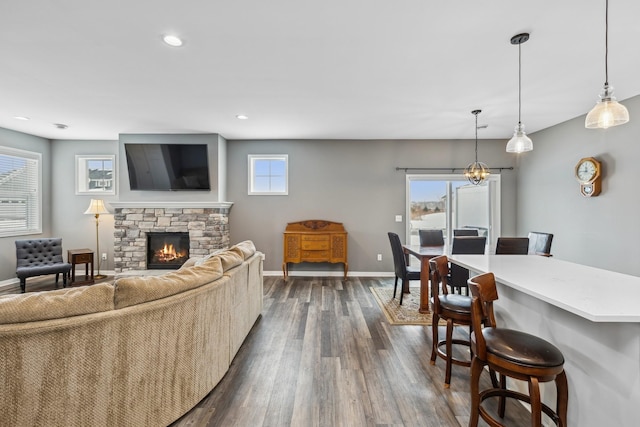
(96, 207)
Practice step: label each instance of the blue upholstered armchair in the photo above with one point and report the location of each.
(38, 257)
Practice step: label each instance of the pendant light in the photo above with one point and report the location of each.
(477, 171)
(519, 142)
(607, 112)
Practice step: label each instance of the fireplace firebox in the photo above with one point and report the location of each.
(167, 250)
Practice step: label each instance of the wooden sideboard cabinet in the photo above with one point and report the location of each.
(315, 241)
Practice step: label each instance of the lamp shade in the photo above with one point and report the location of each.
(607, 112)
(520, 142)
(96, 207)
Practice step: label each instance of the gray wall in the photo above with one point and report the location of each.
(9, 138)
(353, 182)
(599, 231)
(67, 209)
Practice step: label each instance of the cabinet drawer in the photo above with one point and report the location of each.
(311, 238)
(315, 245)
(82, 258)
(315, 255)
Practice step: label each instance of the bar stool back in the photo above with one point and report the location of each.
(454, 309)
(512, 354)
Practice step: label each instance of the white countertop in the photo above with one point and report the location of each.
(592, 293)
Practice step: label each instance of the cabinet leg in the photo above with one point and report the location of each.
(284, 269)
(346, 268)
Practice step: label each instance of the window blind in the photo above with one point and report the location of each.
(20, 193)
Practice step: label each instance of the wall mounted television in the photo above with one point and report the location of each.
(167, 167)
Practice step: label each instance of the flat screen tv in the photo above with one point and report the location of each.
(167, 167)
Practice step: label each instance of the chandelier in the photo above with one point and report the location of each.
(477, 171)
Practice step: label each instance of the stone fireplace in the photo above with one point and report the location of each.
(205, 226)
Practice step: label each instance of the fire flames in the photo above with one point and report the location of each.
(168, 253)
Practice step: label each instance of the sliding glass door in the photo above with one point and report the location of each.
(449, 202)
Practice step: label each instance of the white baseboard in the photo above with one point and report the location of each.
(331, 273)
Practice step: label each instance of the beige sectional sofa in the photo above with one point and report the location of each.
(139, 352)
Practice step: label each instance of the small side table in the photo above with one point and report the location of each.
(80, 256)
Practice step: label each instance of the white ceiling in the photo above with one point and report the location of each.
(326, 69)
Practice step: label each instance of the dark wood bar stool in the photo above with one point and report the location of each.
(454, 309)
(514, 354)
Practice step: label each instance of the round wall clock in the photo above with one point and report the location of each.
(588, 174)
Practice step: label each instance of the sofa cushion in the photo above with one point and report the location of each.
(246, 248)
(206, 257)
(230, 258)
(189, 263)
(59, 303)
(135, 290)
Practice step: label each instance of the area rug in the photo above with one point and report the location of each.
(405, 314)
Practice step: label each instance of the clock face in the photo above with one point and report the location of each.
(586, 170)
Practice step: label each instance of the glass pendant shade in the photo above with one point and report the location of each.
(519, 142)
(607, 112)
(477, 172)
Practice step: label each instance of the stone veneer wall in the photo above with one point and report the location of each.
(208, 230)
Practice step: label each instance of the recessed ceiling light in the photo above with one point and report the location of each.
(242, 117)
(172, 40)
(61, 125)
(22, 118)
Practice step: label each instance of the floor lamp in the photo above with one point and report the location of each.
(96, 207)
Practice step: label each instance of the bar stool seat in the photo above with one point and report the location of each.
(513, 354)
(521, 348)
(455, 303)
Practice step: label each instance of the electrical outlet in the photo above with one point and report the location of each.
(379, 257)
(104, 256)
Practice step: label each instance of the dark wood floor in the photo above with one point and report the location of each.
(44, 283)
(323, 354)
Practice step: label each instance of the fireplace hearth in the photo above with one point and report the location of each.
(167, 250)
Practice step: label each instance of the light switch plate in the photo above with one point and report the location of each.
(398, 218)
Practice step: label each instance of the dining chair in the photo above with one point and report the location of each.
(452, 308)
(540, 243)
(465, 232)
(512, 246)
(402, 271)
(464, 245)
(431, 238)
(514, 354)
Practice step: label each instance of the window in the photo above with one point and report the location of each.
(268, 174)
(95, 174)
(20, 195)
(447, 202)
